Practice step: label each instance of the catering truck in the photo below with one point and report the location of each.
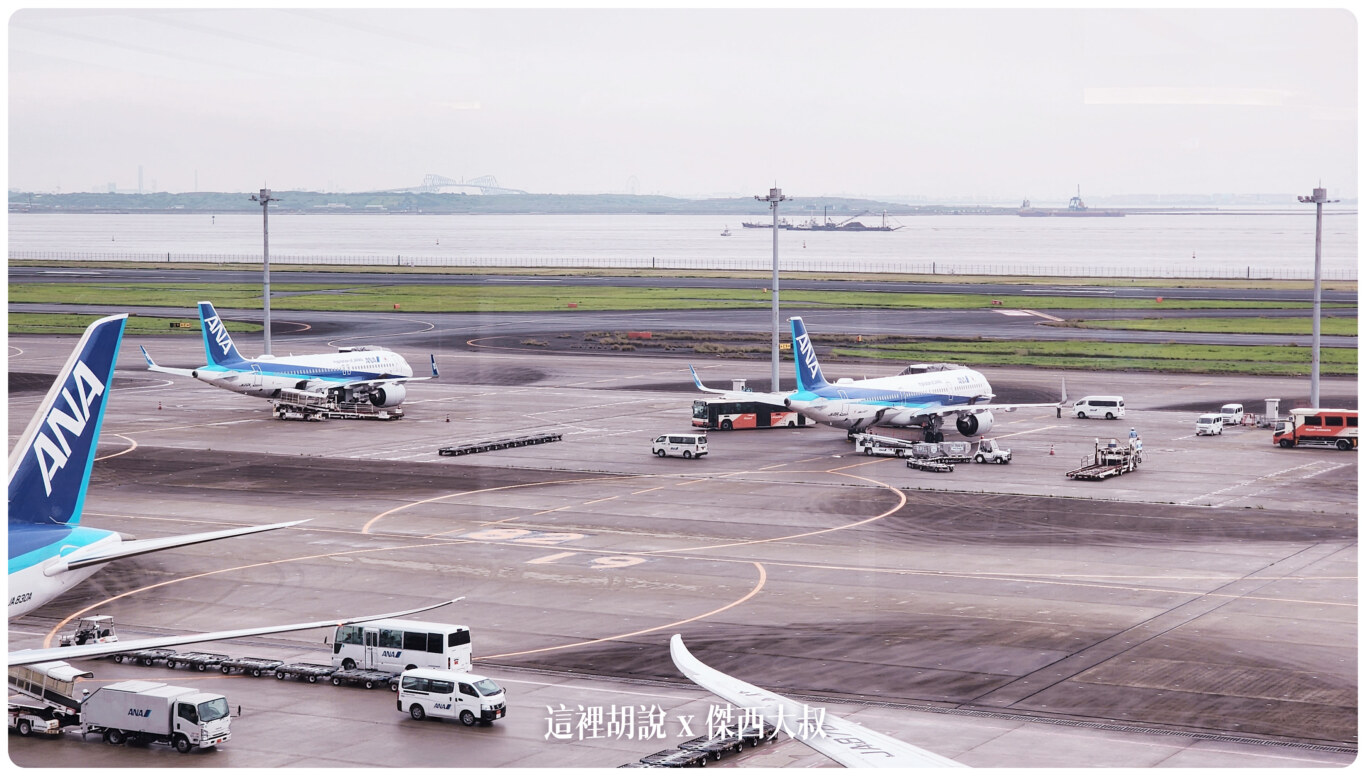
(140, 712)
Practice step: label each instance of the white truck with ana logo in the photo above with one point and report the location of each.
(139, 712)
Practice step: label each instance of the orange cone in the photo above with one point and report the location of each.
(1050, 449)
(158, 405)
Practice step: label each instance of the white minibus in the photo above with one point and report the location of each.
(1108, 407)
(398, 645)
(686, 445)
(1209, 425)
(470, 698)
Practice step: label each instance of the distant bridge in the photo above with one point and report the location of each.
(434, 184)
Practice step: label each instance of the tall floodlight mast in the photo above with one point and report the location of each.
(265, 199)
(774, 197)
(1319, 197)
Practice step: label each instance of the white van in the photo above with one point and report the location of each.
(1108, 407)
(686, 445)
(432, 692)
(1232, 414)
(1210, 424)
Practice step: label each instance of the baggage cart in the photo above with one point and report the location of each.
(364, 677)
(200, 661)
(310, 672)
(250, 665)
(144, 657)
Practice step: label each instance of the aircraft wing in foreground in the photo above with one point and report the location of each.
(848, 743)
(30, 656)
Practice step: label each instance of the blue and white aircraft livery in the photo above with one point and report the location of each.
(49, 551)
(847, 743)
(354, 374)
(922, 395)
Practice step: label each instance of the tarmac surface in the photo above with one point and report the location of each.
(1201, 611)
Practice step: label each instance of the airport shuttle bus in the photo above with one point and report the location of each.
(400, 645)
(726, 415)
(1324, 427)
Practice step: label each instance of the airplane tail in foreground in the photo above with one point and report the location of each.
(50, 465)
(809, 375)
(218, 347)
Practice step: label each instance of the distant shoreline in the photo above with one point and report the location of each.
(425, 203)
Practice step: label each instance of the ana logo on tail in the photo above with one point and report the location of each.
(220, 334)
(52, 456)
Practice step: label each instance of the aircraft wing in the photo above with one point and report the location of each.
(87, 557)
(850, 744)
(29, 656)
(767, 398)
(152, 366)
(398, 379)
(959, 409)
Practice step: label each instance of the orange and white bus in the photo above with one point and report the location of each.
(726, 415)
(1323, 427)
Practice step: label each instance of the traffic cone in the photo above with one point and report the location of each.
(158, 405)
(448, 418)
(1050, 449)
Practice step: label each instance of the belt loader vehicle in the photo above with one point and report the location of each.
(132, 711)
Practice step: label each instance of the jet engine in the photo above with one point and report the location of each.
(388, 395)
(972, 425)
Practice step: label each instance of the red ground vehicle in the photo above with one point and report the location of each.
(726, 415)
(1320, 427)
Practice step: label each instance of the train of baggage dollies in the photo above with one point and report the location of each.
(261, 666)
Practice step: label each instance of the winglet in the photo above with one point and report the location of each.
(848, 743)
(696, 380)
(152, 366)
(433, 357)
(1063, 400)
(50, 466)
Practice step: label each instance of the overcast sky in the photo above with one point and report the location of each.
(1008, 103)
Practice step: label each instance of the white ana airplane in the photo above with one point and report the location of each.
(922, 395)
(848, 743)
(25, 657)
(352, 374)
(49, 551)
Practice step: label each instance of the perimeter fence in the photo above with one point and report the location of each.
(841, 266)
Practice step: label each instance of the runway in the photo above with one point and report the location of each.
(1199, 612)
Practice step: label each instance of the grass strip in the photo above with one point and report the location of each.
(1340, 327)
(480, 298)
(1116, 356)
(63, 323)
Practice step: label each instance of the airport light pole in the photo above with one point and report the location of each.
(1319, 197)
(775, 196)
(265, 199)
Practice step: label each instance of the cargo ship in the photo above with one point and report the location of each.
(1075, 209)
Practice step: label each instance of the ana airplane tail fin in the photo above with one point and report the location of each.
(434, 372)
(50, 466)
(809, 375)
(218, 347)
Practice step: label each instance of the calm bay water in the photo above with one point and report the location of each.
(1276, 244)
